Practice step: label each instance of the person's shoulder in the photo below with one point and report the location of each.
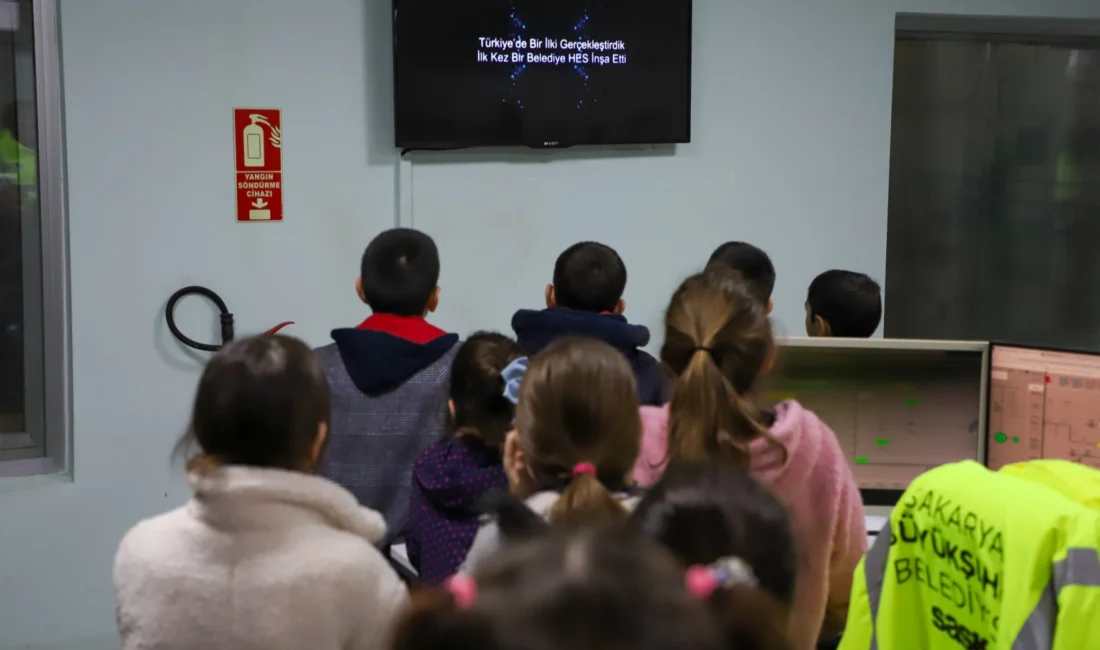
(327, 349)
(329, 354)
(486, 543)
(647, 363)
(791, 418)
(342, 556)
(812, 448)
(357, 575)
(153, 541)
(159, 530)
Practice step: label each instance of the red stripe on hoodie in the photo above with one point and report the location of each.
(410, 328)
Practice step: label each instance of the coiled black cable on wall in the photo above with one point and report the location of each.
(226, 318)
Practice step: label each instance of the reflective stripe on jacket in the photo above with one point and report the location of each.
(979, 560)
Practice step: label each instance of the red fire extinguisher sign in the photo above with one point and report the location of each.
(258, 138)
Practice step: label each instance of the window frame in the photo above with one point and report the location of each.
(47, 447)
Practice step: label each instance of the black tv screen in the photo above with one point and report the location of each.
(541, 73)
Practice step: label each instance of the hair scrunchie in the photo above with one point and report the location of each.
(703, 581)
(512, 375)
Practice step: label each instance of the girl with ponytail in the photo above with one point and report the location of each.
(452, 476)
(719, 343)
(575, 441)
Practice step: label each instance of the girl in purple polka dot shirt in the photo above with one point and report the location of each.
(452, 475)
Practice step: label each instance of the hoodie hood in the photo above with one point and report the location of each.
(802, 434)
(454, 474)
(799, 430)
(378, 362)
(536, 329)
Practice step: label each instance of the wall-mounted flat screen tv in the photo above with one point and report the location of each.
(541, 73)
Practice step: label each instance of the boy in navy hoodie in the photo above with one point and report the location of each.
(586, 299)
(387, 375)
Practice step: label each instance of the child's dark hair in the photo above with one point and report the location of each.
(589, 276)
(400, 271)
(477, 390)
(752, 263)
(259, 402)
(593, 590)
(718, 340)
(850, 302)
(578, 404)
(703, 512)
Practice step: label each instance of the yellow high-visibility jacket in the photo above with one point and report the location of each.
(1075, 481)
(979, 560)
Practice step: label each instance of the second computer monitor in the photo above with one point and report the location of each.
(898, 407)
(1043, 404)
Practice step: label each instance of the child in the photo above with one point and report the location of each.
(265, 555)
(452, 475)
(719, 341)
(594, 590)
(575, 441)
(753, 264)
(703, 512)
(387, 375)
(843, 304)
(586, 299)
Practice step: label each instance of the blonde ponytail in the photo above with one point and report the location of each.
(718, 339)
(585, 502)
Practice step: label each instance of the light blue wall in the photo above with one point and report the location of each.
(791, 124)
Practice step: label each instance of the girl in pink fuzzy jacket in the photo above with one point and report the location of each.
(719, 341)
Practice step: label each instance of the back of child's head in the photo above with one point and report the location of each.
(843, 304)
(589, 276)
(261, 401)
(578, 427)
(400, 272)
(703, 512)
(479, 408)
(592, 590)
(718, 340)
(753, 264)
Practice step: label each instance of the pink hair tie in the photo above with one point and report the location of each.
(701, 582)
(584, 468)
(463, 589)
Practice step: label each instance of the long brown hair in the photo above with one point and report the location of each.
(259, 402)
(718, 340)
(578, 404)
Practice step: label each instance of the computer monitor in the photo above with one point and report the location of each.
(1043, 403)
(898, 407)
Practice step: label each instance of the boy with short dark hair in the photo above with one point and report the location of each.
(586, 299)
(843, 304)
(387, 375)
(753, 264)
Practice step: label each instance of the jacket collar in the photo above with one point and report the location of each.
(237, 497)
(410, 328)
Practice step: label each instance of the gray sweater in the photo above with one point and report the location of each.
(389, 403)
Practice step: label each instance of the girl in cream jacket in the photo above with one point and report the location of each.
(266, 555)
